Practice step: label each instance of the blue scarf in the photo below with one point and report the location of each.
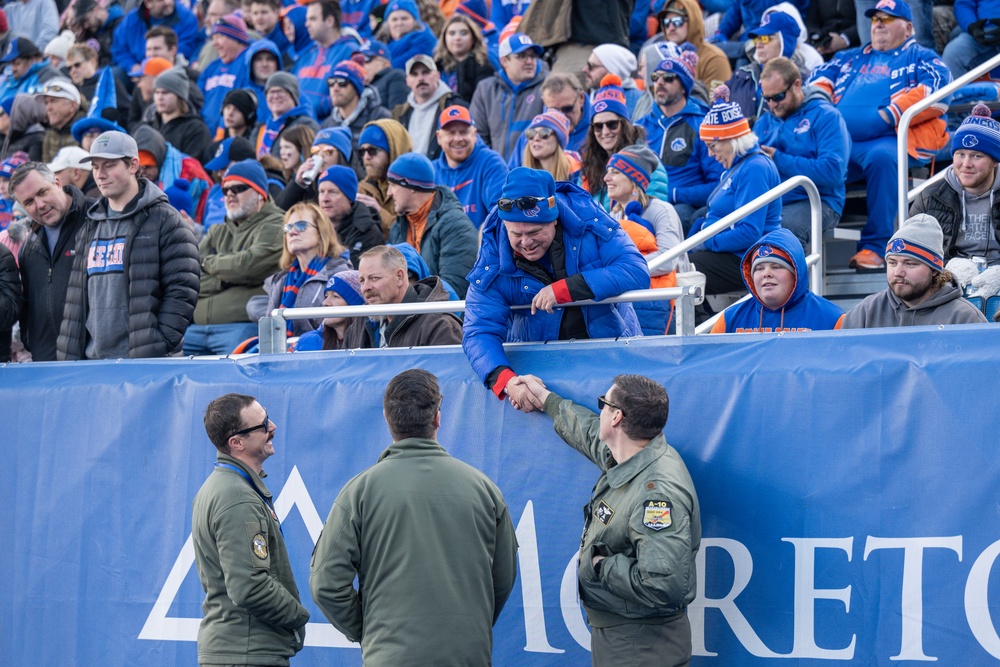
(294, 280)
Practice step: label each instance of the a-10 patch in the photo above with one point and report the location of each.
(260, 546)
(656, 514)
(604, 512)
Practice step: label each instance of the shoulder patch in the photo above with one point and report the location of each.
(260, 546)
(604, 512)
(656, 514)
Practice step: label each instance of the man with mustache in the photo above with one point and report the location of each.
(428, 97)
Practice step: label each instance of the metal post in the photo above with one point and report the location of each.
(272, 338)
(684, 309)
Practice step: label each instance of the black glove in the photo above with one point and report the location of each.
(986, 32)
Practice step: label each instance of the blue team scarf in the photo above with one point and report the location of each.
(294, 280)
(274, 127)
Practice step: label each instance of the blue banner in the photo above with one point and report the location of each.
(848, 484)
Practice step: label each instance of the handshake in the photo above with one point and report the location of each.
(527, 393)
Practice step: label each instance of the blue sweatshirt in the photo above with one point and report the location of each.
(477, 182)
(503, 11)
(812, 142)
(750, 176)
(354, 14)
(312, 70)
(968, 12)
(216, 82)
(130, 35)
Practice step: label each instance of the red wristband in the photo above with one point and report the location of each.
(500, 386)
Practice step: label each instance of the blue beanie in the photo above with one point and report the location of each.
(7, 104)
(413, 171)
(343, 177)
(978, 132)
(374, 135)
(683, 65)
(611, 97)
(179, 196)
(249, 172)
(556, 121)
(525, 182)
(403, 6)
(351, 72)
(338, 137)
(347, 285)
(637, 162)
(782, 24)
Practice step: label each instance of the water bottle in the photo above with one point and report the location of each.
(310, 175)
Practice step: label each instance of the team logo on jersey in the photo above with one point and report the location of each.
(678, 144)
(260, 546)
(656, 514)
(803, 126)
(604, 512)
(969, 141)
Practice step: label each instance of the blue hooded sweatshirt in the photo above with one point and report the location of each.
(313, 68)
(413, 43)
(477, 182)
(263, 112)
(750, 176)
(803, 311)
(130, 36)
(416, 264)
(354, 14)
(216, 82)
(297, 15)
(812, 142)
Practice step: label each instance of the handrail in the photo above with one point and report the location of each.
(813, 261)
(915, 192)
(902, 132)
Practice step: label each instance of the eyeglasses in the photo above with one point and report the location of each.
(234, 190)
(540, 132)
(676, 22)
(338, 83)
(567, 110)
(762, 39)
(262, 427)
(299, 226)
(523, 203)
(602, 403)
(777, 97)
(73, 66)
(525, 55)
(884, 20)
(589, 65)
(612, 125)
(668, 77)
(371, 151)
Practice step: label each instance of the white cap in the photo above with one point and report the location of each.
(69, 157)
(62, 88)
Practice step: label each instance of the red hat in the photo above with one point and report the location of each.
(4, 27)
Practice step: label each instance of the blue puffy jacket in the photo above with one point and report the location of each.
(804, 311)
(130, 36)
(596, 247)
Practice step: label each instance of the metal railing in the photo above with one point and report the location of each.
(273, 338)
(903, 129)
(813, 260)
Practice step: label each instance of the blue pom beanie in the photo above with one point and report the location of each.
(413, 171)
(978, 132)
(351, 72)
(348, 286)
(343, 177)
(611, 97)
(525, 182)
(374, 135)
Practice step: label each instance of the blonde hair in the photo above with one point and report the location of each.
(618, 210)
(563, 167)
(443, 56)
(329, 242)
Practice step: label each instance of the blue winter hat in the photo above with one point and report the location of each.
(896, 8)
(343, 177)
(179, 196)
(683, 65)
(351, 72)
(523, 185)
(336, 137)
(374, 135)
(610, 97)
(779, 23)
(413, 171)
(402, 6)
(556, 121)
(347, 285)
(7, 104)
(978, 132)
(85, 125)
(232, 149)
(249, 172)
(637, 162)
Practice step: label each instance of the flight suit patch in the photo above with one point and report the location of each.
(604, 512)
(656, 514)
(260, 546)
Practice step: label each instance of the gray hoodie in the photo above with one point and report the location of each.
(974, 235)
(423, 118)
(884, 309)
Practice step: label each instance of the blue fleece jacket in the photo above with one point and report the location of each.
(597, 251)
(130, 35)
(750, 176)
(477, 182)
(413, 43)
(812, 142)
(747, 13)
(803, 311)
(693, 173)
(968, 12)
(216, 82)
(313, 68)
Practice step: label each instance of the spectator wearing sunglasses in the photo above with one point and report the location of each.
(354, 103)
(545, 244)
(681, 21)
(545, 147)
(236, 257)
(672, 134)
(380, 143)
(805, 135)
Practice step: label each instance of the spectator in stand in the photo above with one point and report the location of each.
(832, 26)
(29, 71)
(26, 129)
(748, 174)
(82, 65)
(775, 37)
(239, 118)
(10, 300)
(57, 48)
(408, 35)
(381, 142)
(562, 92)
(265, 18)
(213, 11)
(354, 104)
(429, 96)
(46, 259)
(333, 146)
(978, 37)
(805, 135)
(357, 225)
(130, 36)
(462, 57)
(743, 15)
(227, 72)
(342, 289)
(315, 65)
(505, 103)
(681, 22)
(651, 224)
(923, 21)
(37, 20)
(262, 60)
(672, 133)
(128, 304)
(872, 99)
(921, 291)
(478, 11)
(90, 21)
(162, 163)
(617, 60)
(535, 246)
(294, 148)
(382, 76)
(282, 95)
(70, 168)
(966, 203)
(310, 256)
(62, 109)
(473, 171)
(232, 150)
(776, 275)
(430, 218)
(142, 95)
(173, 116)
(545, 149)
(236, 257)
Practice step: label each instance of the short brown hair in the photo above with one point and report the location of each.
(166, 32)
(410, 403)
(223, 417)
(644, 404)
(82, 51)
(783, 67)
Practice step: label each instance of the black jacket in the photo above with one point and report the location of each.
(826, 16)
(189, 134)
(942, 201)
(391, 86)
(10, 299)
(163, 276)
(469, 73)
(360, 230)
(403, 112)
(45, 279)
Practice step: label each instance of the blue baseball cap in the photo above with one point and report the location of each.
(519, 43)
(233, 149)
(374, 49)
(897, 8)
(20, 47)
